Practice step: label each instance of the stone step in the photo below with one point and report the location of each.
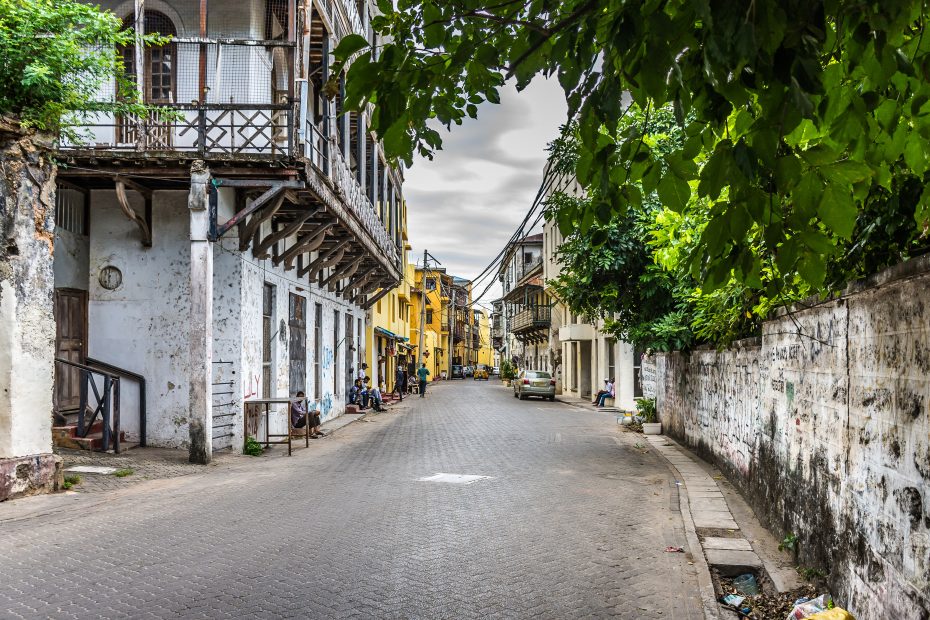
(62, 438)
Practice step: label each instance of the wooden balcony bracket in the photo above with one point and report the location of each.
(306, 244)
(327, 259)
(248, 229)
(270, 196)
(143, 222)
(360, 279)
(260, 249)
(346, 271)
(371, 300)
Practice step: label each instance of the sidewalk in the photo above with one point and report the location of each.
(722, 525)
(103, 471)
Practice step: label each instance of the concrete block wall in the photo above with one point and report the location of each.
(824, 426)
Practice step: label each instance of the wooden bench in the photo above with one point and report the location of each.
(255, 407)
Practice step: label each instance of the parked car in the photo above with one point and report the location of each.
(469, 372)
(496, 371)
(534, 383)
(481, 372)
(457, 372)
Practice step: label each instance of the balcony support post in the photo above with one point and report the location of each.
(200, 398)
(202, 69)
(139, 60)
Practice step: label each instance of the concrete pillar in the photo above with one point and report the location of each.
(200, 423)
(27, 325)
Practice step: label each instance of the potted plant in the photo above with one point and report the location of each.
(647, 409)
(508, 372)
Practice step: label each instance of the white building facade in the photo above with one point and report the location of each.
(228, 251)
(587, 355)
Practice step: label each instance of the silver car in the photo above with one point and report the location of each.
(534, 383)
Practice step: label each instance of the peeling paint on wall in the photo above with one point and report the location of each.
(827, 434)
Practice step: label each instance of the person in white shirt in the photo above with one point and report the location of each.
(597, 396)
(608, 394)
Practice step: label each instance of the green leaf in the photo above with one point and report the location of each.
(848, 172)
(674, 192)
(349, 45)
(838, 210)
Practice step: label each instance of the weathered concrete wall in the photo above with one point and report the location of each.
(824, 427)
(143, 325)
(27, 327)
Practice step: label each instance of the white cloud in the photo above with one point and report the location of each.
(465, 204)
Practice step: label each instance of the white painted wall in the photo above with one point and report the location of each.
(142, 326)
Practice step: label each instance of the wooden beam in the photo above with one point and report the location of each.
(247, 229)
(326, 259)
(371, 300)
(270, 194)
(130, 213)
(345, 271)
(361, 278)
(261, 249)
(307, 243)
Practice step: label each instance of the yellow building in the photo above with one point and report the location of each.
(485, 350)
(432, 288)
(387, 337)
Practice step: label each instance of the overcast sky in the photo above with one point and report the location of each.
(465, 204)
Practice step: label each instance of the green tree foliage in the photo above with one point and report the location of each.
(56, 55)
(804, 122)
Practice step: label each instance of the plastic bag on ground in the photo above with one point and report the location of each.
(811, 607)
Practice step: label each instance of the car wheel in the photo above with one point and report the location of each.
(522, 396)
(514, 393)
(551, 398)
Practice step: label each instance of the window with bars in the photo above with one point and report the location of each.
(71, 210)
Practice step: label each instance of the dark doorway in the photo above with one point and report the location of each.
(297, 343)
(70, 345)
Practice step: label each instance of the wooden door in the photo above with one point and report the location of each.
(70, 344)
(297, 343)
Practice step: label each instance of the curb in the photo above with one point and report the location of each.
(705, 582)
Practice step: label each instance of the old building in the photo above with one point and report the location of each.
(387, 337)
(227, 246)
(588, 355)
(525, 308)
(429, 314)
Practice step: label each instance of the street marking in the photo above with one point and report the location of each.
(92, 469)
(454, 478)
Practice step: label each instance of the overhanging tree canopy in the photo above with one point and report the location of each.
(797, 114)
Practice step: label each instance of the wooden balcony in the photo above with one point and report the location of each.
(531, 320)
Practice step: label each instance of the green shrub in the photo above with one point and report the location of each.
(252, 447)
(647, 409)
(122, 473)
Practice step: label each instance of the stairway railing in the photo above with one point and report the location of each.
(106, 406)
(127, 374)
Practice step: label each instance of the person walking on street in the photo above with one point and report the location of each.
(422, 374)
(399, 381)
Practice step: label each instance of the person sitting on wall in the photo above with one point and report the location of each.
(377, 403)
(610, 393)
(355, 393)
(299, 411)
(597, 396)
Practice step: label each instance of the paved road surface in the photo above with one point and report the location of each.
(572, 524)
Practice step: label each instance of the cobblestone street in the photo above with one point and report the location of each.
(572, 522)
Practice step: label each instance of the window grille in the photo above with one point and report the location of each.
(71, 210)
